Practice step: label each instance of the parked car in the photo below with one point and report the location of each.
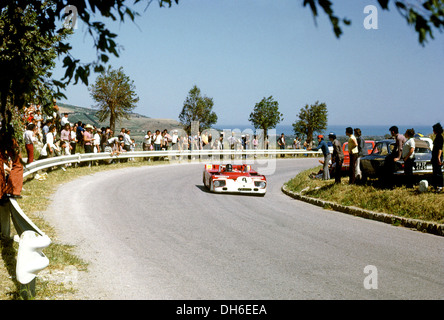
(373, 164)
(369, 145)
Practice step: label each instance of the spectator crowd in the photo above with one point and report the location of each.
(404, 150)
(56, 135)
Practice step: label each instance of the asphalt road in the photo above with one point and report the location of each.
(156, 233)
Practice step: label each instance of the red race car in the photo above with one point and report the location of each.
(234, 179)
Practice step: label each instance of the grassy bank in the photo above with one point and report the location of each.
(400, 201)
(54, 282)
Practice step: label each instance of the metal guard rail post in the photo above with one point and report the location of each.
(30, 258)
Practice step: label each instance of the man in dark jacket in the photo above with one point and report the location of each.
(437, 157)
(338, 156)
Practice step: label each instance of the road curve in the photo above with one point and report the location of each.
(155, 233)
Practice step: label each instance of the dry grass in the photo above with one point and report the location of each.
(50, 283)
(400, 201)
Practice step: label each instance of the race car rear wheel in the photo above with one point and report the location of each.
(203, 180)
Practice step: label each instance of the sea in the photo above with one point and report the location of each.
(339, 130)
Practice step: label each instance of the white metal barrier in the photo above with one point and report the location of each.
(177, 155)
(30, 258)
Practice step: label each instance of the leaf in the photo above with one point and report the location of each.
(384, 4)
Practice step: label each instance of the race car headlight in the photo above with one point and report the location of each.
(260, 184)
(219, 183)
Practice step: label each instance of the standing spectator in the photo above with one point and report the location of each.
(166, 139)
(361, 150)
(79, 133)
(408, 155)
(56, 116)
(73, 138)
(198, 141)
(14, 182)
(395, 155)
(324, 147)
(96, 141)
(337, 158)
(30, 138)
(104, 138)
(45, 130)
(49, 148)
(64, 120)
(255, 142)
(281, 143)
(122, 132)
(38, 118)
(299, 144)
(127, 140)
(157, 141)
(400, 140)
(174, 140)
(243, 144)
(437, 158)
(65, 136)
(210, 143)
(88, 139)
(185, 142)
(353, 153)
(255, 145)
(232, 141)
(147, 141)
(203, 140)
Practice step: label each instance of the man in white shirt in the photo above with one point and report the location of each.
(127, 140)
(64, 120)
(29, 137)
(49, 148)
(408, 155)
(96, 142)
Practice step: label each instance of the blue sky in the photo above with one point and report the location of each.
(238, 52)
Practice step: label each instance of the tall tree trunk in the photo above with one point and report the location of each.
(112, 122)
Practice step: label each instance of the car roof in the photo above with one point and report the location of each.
(418, 143)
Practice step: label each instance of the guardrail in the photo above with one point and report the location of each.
(176, 155)
(30, 258)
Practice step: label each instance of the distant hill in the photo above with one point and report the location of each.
(138, 124)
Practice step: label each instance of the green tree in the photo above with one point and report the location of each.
(312, 118)
(115, 95)
(266, 114)
(197, 108)
(32, 36)
(27, 58)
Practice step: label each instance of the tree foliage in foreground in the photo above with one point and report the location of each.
(426, 16)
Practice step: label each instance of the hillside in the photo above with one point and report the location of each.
(138, 124)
